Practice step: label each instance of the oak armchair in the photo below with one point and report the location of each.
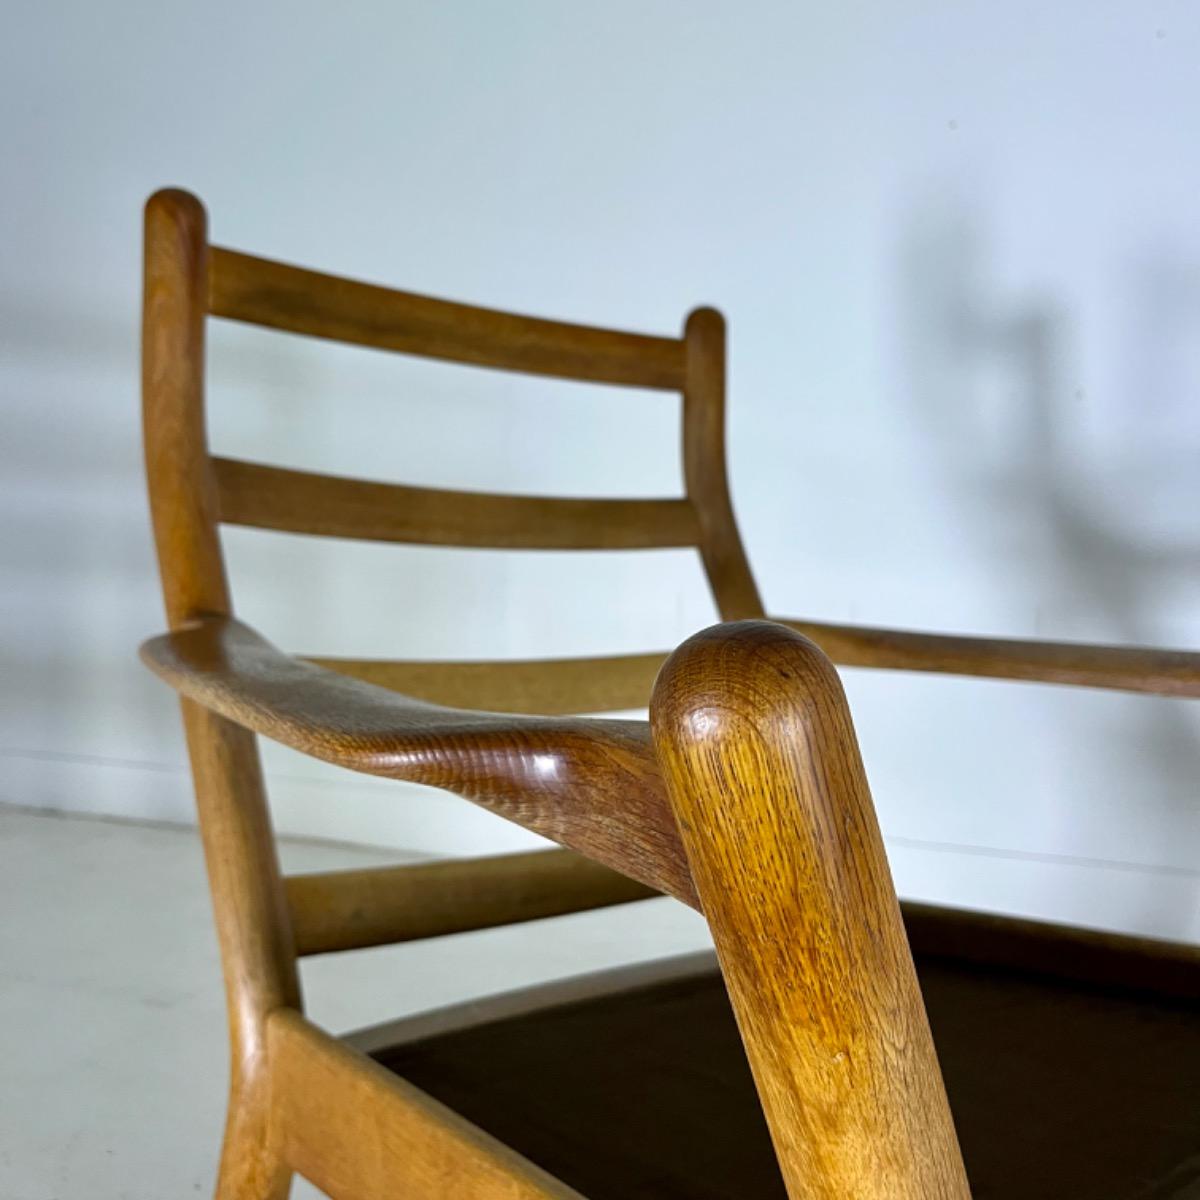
(800, 1062)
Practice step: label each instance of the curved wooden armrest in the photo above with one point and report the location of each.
(1122, 668)
(592, 785)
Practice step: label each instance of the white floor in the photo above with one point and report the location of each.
(112, 1059)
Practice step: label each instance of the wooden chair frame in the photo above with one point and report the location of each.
(744, 798)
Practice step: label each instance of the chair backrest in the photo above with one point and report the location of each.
(751, 802)
(188, 280)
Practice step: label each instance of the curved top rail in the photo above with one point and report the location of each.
(279, 296)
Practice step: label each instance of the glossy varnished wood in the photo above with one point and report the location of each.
(377, 906)
(290, 298)
(303, 502)
(762, 768)
(591, 785)
(749, 803)
(609, 802)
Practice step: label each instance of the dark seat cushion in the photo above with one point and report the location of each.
(1059, 1091)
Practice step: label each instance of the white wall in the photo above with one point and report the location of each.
(958, 247)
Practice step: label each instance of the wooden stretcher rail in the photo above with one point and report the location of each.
(379, 906)
(354, 1129)
(261, 292)
(266, 497)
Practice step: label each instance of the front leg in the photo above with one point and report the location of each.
(764, 775)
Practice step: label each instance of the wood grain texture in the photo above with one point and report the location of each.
(609, 804)
(302, 502)
(279, 296)
(250, 912)
(705, 473)
(379, 906)
(762, 768)
(547, 686)
(1123, 668)
(355, 1130)
(590, 785)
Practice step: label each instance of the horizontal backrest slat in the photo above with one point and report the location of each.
(244, 288)
(301, 502)
(552, 686)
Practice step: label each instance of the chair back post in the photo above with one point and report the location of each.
(183, 504)
(250, 907)
(763, 772)
(705, 471)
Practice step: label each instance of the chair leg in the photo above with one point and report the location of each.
(255, 936)
(762, 768)
(252, 1167)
